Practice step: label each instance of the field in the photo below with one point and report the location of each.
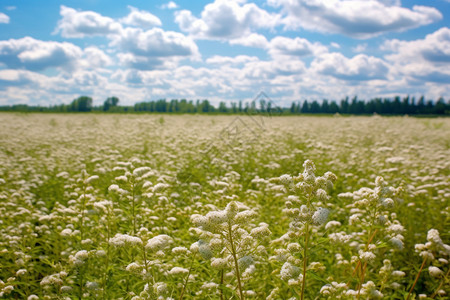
(104, 206)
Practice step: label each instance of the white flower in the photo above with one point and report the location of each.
(120, 240)
(332, 224)
(158, 242)
(289, 271)
(435, 271)
(179, 250)
(320, 216)
(219, 263)
(178, 271)
(245, 261)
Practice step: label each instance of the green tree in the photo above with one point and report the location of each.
(110, 102)
(83, 104)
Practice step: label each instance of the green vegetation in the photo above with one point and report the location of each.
(396, 106)
(129, 206)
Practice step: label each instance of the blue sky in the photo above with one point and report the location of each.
(225, 50)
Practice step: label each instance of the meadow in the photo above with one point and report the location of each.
(104, 206)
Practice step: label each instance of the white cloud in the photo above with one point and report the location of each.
(95, 58)
(237, 60)
(16, 78)
(335, 45)
(155, 43)
(434, 48)
(38, 55)
(4, 18)
(252, 40)
(426, 60)
(154, 48)
(137, 48)
(294, 47)
(360, 48)
(140, 18)
(170, 5)
(79, 24)
(358, 68)
(224, 19)
(354, 18)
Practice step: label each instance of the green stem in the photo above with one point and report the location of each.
(83, 208)
(108, 234)
(133, 210)
(233, 252)
(187, 277)
(440, 285)
(221, 284)
(417, 277)
(305, 261)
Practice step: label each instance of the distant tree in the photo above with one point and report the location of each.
(223, 107)
(421, 105)
(305, 107)
(293, 106)
(325, 107)
(83, 104)
(440, 106)
(234, 108)
(315, 107)
(344, 106)
(396, 106)
(334, 108)
(110, 102)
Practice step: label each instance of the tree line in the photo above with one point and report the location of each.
(383, 106)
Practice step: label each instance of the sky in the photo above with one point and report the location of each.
(52, 52)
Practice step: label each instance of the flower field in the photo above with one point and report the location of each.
(104, 206)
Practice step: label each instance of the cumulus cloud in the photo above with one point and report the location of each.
(294, 47)
(137, 47)
(354, 18)
(237, 60)
(79, 24)
(95, 58)
(252, 40)
(4, 18)
(152, 48)
(16, 78)
(140, 18)
(224, 19)
(155, 43)
(32, 54)
(360, 48)
(170, 5)
(358, 68)
(425, 59)
(335, 45)
(36, 55)
(435, 48)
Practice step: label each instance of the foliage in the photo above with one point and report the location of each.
(225, 207)
(396, 106)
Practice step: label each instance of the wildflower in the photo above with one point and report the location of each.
(91, 285)
(289, 271)
(435, 271)
(179, 250)
(121, 240)
(178, 271)
(219, 263)
(134, 268)
(245, 261)
(320, 216)
(332, 224)
(158, 242)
